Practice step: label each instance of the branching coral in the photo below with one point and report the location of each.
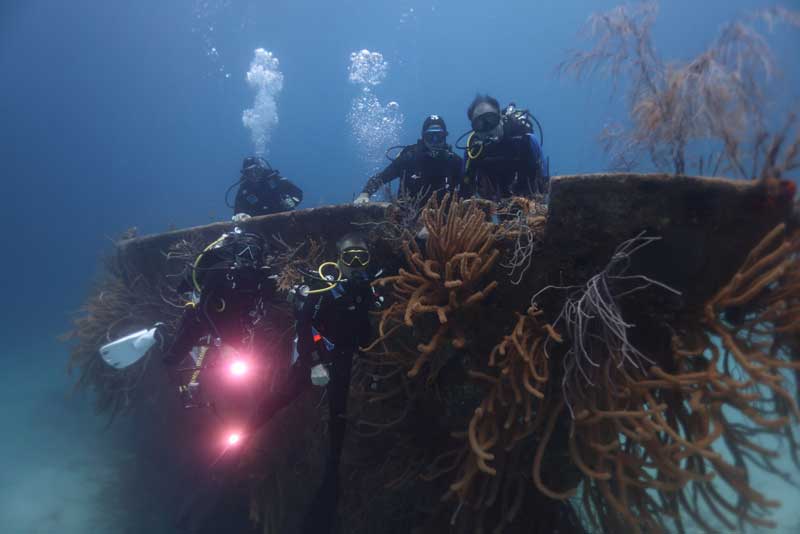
(708, 112)
(651, 433)
(522, 224)
(291, 261)
(402, 217)
(648, 441)
(445, 278)
(517, 374)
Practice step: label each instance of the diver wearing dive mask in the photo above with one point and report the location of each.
(332, 322)
(426, 167)
(503, 156)
(487, 123)
(262, 190)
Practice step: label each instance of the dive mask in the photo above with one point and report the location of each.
(353, 256)
(434, 137)
(252, 172)
(486, 122)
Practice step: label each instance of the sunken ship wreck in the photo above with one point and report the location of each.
(619, 359)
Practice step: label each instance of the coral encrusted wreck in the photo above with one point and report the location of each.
(619, 360)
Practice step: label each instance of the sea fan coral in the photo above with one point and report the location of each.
(709, 113)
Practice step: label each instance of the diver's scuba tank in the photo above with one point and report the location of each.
(517, 121)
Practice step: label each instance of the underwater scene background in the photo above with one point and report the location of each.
(137, 114)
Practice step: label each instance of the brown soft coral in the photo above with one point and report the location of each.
(444, 278)
(510, 411)
(648, 442)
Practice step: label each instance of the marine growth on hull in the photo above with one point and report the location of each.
(620, 359)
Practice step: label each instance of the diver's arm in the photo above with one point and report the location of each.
(536, 165)
(305, 338)
(298, 376)
(393, 170)
(188, 332)
(291, 195)
(240, 205)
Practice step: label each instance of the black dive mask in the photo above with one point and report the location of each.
(435, 137)
(486, 122)
(434, 141)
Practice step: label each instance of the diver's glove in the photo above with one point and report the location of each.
(239, 217)
(289, 202)
(363, 198)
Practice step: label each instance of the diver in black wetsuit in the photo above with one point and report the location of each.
(229, 284)
(262, 190)
(331, 323)
(423, 168)
(503, 157)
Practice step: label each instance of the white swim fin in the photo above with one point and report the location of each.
(126, 351)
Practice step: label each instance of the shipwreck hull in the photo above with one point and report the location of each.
(705, 229)
(706, 226)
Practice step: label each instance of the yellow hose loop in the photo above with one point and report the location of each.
(470, 154)
(330, 285)
(199, 257)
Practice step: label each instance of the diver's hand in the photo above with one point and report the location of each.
(288, 203)
(239, 217)
(363, 198)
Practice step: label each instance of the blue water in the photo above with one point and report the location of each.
(116, 114)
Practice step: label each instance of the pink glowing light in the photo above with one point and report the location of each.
(238, 368)
(234, 438)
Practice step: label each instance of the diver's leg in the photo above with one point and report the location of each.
(323, 518)
(189, 331)
(338, 392)
(297, 381)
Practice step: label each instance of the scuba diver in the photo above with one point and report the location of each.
(332, 321)
(428, 166)
(262, 190)
(503, 157)
(228, 286)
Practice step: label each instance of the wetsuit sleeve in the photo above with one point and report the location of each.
(363, 326)
(291, 195)
(534, 178)
(240, 205)
(189, 331)
(297, 377)
(536, 157)
(394, 170)
(303, 314)
(539, 172)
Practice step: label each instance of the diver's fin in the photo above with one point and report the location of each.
(126, 351)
